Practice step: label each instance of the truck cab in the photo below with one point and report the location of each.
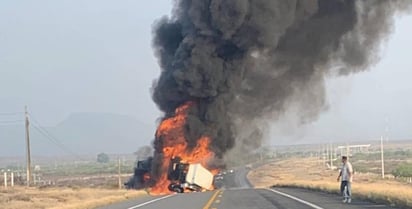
(193, 177)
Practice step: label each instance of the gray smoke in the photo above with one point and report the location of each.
(244, 62)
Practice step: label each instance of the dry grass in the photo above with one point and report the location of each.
(309, 173)
(61, 198)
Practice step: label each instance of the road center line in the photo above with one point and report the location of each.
(151, 201)
(209, 203)
(297, 199)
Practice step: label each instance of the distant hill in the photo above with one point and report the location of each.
(81, 133)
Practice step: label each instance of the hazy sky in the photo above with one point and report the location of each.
(60, 57)
(69, 56)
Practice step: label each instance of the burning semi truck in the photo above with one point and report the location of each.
(141, 178)
(186, 176)
(190, 177)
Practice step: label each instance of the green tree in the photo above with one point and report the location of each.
(103, 158)
(403, 170)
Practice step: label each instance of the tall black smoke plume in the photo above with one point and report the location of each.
(244, 62)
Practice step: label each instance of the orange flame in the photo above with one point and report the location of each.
(171, 132)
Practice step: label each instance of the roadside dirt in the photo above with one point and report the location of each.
(61, 197)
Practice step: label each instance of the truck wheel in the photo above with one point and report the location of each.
(171, 187)
(175, 188)
(178, 189)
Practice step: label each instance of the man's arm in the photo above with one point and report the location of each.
(340, 174)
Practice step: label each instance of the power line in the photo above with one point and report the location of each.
(10, 113)
(11, 121)
(55, 141)
(10, 118)
(50, 137)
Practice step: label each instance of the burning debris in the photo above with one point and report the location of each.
(228, 66)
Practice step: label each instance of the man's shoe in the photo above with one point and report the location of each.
(349, 200)
(344, 200)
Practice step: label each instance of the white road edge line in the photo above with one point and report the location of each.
(297, 199)
(151, 201)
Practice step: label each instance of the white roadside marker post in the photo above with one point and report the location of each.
(5, 180)
(12, 179)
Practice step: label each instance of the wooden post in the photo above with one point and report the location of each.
(12, 179)
(347, 150)
(324, 155)
(5, 180)
(331, 156)
(383, 164)
(119, 173)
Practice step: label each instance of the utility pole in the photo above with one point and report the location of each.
(28, 168)
(347, 150)
(12, 179)
(320, 152)
(331, 156)
(119, 176)
(327, 153)
(383, 165)
(5, 179)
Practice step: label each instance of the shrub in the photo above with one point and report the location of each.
(403, 170)
(103, 158)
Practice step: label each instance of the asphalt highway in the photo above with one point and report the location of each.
(236, 193)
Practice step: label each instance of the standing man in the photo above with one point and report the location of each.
(346, 172)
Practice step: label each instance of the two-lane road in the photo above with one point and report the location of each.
(237, 194)
(279, 198)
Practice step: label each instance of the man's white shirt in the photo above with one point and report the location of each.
(346, 168)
